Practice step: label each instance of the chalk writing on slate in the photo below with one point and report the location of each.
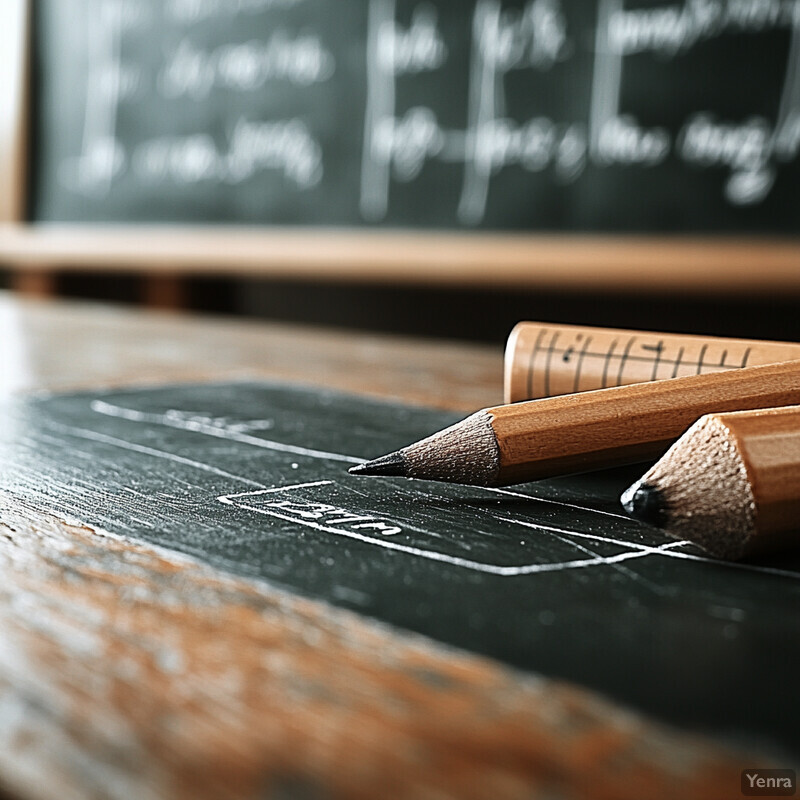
(606, 115)
(547, 577)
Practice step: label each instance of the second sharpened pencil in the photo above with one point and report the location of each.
(730, 484)
(575, 433)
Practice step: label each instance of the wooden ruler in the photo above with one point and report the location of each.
(544, 360)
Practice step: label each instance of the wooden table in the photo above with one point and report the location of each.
(114, 684)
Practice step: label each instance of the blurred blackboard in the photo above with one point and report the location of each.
(548, 115)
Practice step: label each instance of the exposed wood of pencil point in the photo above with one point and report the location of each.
(466, 452)
(573, 433)
(731, 483)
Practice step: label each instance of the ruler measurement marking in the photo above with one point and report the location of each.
(660, 356)
(548, 360)
(658, 349)
(624, 358)
(609, 356)
(579, 365)
(532, 360)
(702, 356)
(746, 356)
(649, 359)
(677, 362)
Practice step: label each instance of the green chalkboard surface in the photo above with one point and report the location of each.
(545, 115)
(547, 577)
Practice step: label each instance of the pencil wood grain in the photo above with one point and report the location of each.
(579, 432)
(629, 423)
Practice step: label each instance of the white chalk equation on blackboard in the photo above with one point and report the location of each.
(194, 72)
(748, 148)
(102, 156)
(537, 37)
(194, 11)
(401, 139)
(286, 146)
(502, 42)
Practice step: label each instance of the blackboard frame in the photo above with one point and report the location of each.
(617, 262)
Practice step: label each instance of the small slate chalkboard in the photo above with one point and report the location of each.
(593, 115)
(548, 577)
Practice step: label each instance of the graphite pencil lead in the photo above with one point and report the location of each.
(391, 464)
(645, 502)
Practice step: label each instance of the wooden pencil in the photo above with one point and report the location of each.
(578, 432)
(731, 483)
(544, 360)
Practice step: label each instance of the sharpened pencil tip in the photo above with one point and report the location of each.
(391, 464)
(646, 503)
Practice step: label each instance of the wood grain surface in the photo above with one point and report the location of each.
(627, 264)
(130, 672)
(575, 433)
(66, 346)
